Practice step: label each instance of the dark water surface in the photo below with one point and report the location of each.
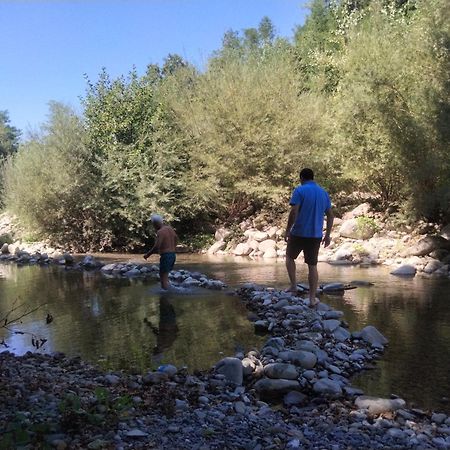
(130, 324)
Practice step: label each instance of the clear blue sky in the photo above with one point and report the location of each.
(47, 46)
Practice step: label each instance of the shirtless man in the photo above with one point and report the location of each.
(166, 241)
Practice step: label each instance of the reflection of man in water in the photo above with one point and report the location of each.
(167, 331)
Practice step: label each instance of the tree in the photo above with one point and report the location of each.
(9, 136)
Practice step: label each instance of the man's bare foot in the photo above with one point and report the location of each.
(292, 289)
(313, 302)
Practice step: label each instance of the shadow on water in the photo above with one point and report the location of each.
(131, 324)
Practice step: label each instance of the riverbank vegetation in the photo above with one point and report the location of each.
(360, 93)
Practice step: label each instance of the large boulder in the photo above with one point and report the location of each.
(427, 245)
(371, 335)
(356, 229)
(221, 234)
(219, 245)
(260, 236)
(231, 368)
(270, 253)
(267, 244)
(242, 250)
(376, 406)
(361, 210)
(5, 249)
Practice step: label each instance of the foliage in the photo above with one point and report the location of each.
(9, 136)
(361, 95)
(366, 224)
(50, 182)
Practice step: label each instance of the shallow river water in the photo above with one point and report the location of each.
(129, 324)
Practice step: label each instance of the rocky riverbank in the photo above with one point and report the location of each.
(360, 237)
(294, 392)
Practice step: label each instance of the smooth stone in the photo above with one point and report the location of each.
(273, 387)
(405, 270)
(302, 358)
(168, 369)
(330, 325)
(275, 342)
(281, 370)
(341, 334)
(438, 418)
(231, 368)
(136, 433)
(294, 398)
(327, 387)
(371, 335)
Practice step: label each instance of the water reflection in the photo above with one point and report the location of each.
(167, 330)
(103, 319)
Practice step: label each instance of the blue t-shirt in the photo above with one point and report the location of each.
(313, 201)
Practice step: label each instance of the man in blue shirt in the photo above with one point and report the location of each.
(309, 203)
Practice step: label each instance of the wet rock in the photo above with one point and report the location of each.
(371, 335)
(405, 270)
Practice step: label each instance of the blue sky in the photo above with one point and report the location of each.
(46, 47)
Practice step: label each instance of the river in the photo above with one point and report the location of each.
(129, 324)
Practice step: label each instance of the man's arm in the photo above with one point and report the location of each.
(293, 213)
(330, 218)
(155, 248)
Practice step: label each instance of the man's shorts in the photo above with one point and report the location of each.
(166, 262)
(309, 246)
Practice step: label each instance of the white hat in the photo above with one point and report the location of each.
(156, 218)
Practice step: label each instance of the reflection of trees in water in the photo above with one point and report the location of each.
(415, 317)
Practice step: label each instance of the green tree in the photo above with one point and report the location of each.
(9, 136)
(49, 182)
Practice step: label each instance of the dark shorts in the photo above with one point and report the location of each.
(309, 246)
(166, 262)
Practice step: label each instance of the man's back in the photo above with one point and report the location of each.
(167, 239)
(313, 202)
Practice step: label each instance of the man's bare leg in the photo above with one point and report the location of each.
(313, 280)
(291, 269)
(164, 278)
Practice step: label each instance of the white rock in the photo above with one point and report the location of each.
(219, 245)
(270, 253)
(242, 250)
(376, 405)
(260, 236)
(267, 244)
